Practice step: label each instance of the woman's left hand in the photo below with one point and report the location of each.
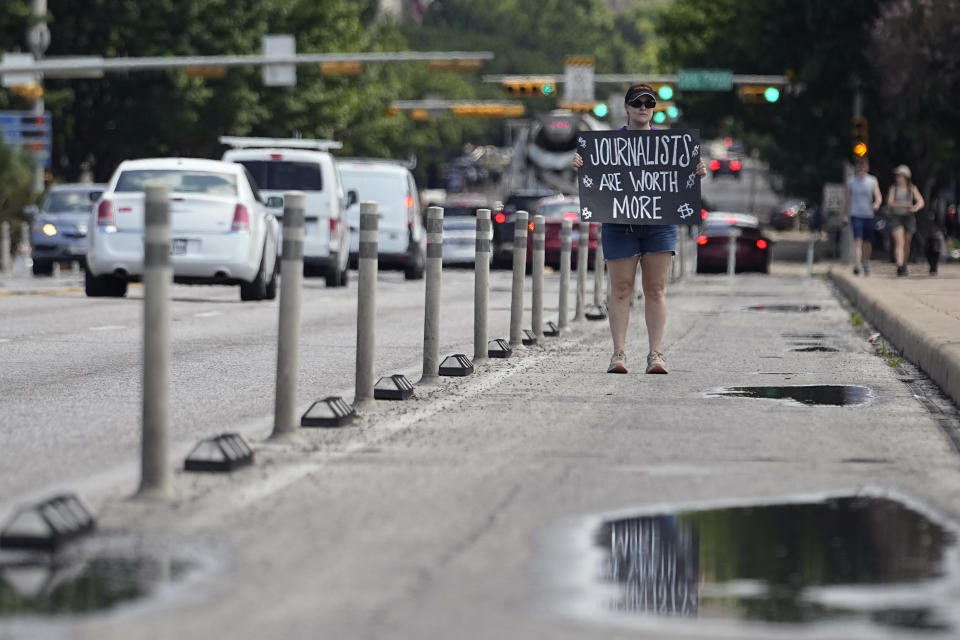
(701, 168)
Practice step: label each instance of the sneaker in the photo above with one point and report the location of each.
(656, 363)
(866, 268)
(902, 270)
(618, 363)
(856, 269)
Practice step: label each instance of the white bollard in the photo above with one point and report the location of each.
(366, 305)
(481, 285)
(566, 232)
(519, 273)
(285, 419)
(536, 306)
(431, 316)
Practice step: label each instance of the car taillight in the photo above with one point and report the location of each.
(703, 214)
(571, 215)
(714, 165)
(500, 218)
(409, 213)
(701, 239)
(530, 226)
(105, 214)
(761, 244)
(735, 165)
(333, 227)
(951, 212)
(241, 219)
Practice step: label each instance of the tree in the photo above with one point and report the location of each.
(16, 181)
(915, 73)
(822, 43)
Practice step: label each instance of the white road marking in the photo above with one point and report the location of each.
(206, 314)
(108, 327)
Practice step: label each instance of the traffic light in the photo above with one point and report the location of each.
(757, 93)
(29, 91)
(665, 111)
(859, 136)
(664, 91)
(530, 87)
(598, 109)
(487, 110)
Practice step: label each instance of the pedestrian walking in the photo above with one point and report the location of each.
(861, 200)
(650, 246)
(904, 201)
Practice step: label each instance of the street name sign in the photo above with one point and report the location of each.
(705, 79)
(639, 177)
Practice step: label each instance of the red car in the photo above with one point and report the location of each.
(555, 210)
(713, 244)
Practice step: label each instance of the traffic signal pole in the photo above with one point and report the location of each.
(38, 37)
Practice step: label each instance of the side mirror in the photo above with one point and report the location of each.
(352, 198)
(275, 202)
(31, 210)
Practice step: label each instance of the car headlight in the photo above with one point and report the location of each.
(49, 229)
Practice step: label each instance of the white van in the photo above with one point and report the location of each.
(402, 240)
(293, 164)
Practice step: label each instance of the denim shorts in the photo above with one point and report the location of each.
(627, 240)
(861, 227)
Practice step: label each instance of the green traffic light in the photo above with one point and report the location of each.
(672, 112)
(772, 94)
(600, 110)
(659, 117)
(665, 91)
(547, 89)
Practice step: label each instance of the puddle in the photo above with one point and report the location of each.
(816, 348)
(49, 586)
(785, 308)
(814, 394)
(870, 560)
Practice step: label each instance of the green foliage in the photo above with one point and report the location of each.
(856, 319)
(16, 179)
(822, 42)
(892, 357)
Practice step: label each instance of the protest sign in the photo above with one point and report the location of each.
(639, 177)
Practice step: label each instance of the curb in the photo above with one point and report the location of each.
(927, 343)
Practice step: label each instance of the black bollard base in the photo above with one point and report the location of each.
(529, 337)
(225, 452)
(499, 348)
(551, 329)
(596, 312)
(456, 365)
(332, 411)
(395, 387)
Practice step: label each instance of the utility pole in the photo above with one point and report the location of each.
(38, 37)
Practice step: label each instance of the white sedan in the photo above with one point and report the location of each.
(221, 231)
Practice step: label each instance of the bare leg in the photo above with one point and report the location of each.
(654, 268)
(857, 252)
(622, 275)
(898, 246)
(867, 250)
(907, 238)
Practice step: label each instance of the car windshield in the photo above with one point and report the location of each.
(389, 190)
(179, 180)
(66, 201)
(560, 210)
(285, 175)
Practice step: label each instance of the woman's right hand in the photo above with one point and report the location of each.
(577, 161)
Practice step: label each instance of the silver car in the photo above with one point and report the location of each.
(220, 228)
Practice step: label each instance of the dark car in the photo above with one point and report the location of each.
(59, 226)
(788, 215)
(725, 167)
(460, 227)
(556, 209)
(713, 244)
(504, 219)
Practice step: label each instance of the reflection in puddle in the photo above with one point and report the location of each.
(786, 308)
(796, 563)
(48, 587)
(813, 394)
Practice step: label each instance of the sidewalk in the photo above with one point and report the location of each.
(918, 314)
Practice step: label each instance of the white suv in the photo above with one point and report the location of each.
(402, 240)
(294, 164)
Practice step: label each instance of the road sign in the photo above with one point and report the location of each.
(279, 46)
(21, 78)
(578, 80)
(705, 79)
(24, 129)
(833, 197)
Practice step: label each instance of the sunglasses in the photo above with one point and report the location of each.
(648, 103)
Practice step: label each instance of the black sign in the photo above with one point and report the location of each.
(639, 177)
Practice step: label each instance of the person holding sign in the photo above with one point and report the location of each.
(647, 243)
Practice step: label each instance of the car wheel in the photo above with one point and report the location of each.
(103, 286)
(335, 277)
(344, 277)
(415, 267)
(42, 267)
(256, 290)
(271, 293)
